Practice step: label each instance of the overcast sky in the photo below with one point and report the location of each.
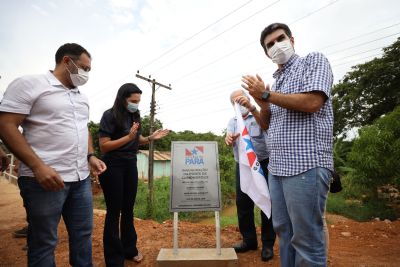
(200, 47)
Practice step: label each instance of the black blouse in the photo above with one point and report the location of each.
(109, 128)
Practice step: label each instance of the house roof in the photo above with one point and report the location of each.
(158, 155)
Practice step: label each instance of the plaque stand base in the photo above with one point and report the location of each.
(197, 257)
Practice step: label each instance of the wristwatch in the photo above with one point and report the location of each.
(265, 96)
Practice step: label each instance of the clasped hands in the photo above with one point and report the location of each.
(256, 87)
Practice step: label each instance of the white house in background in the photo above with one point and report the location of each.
(162, 164)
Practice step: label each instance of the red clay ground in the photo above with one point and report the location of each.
(374, 243)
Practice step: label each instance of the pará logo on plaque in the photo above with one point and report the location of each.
(194, 155)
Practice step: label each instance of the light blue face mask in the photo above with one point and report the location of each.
(132, 107)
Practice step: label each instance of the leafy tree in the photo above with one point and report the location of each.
(368, 91)
(375, 154)
(145, 124)
(227, 170)
(94, 131)
(341, 149)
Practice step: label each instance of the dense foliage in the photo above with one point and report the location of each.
(369, 91)
(368, 100)
(375, 155)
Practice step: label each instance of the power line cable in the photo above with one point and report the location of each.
(360, 53)
(224, 109)
(356, 60)
(187, 39)
(329, 45)
(210, 63)
(359, 36)
(198, 115)
(328, 54)
(371, 41)
(216, 36)
(197, 33)
(251, 43)
(332, 45)
(179, 105)
(315, 11)
(200, 93)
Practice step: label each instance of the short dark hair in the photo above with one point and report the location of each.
(70, 49)
(270, 29)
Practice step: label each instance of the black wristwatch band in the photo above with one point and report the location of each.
(265, 96)
(90, 155)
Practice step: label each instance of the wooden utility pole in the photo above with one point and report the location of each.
(150, 203)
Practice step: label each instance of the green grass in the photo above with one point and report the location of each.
(161, 203)
(359, 210)
(98, 202)
(228, 220)
(161, 200)
(337, 204)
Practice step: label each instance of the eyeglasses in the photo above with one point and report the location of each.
(87, 69)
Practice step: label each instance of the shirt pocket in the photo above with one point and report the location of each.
(254, 130)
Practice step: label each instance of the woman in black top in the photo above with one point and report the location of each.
(120, 136)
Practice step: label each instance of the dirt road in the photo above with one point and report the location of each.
(374, 243)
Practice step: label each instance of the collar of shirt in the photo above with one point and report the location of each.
(55, 82)
(286, 66)
(247, 117)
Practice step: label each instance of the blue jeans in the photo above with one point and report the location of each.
(298, 208)
(44, 210)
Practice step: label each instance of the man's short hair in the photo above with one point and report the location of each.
(270, 29)
(235, 92)
(70, 49)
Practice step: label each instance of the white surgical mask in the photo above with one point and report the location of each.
(281, 52)
(243, 110)
(132, 107)
(79, 78)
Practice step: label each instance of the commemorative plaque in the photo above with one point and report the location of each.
(195, 181)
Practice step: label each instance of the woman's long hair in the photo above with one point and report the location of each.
(119, 109)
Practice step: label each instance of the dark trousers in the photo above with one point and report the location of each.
(245, 212)
(119, 183)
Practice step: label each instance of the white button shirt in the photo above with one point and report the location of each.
(56, 123)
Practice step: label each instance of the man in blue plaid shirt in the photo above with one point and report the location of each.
(298, 109)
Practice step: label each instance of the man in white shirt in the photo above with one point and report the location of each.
(244, 204)
(54, 151)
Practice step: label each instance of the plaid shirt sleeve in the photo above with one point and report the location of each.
(317, 74)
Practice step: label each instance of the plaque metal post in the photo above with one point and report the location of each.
(218, 232)
(175, 233)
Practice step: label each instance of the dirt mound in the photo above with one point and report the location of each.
(374, 243)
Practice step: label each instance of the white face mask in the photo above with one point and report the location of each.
(281, 52)
(243, 110)
(79, 78)
(132, 107)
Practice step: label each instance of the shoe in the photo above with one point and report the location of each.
(21, 233)
(243, 247)
(138, 258)
(267, 254)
